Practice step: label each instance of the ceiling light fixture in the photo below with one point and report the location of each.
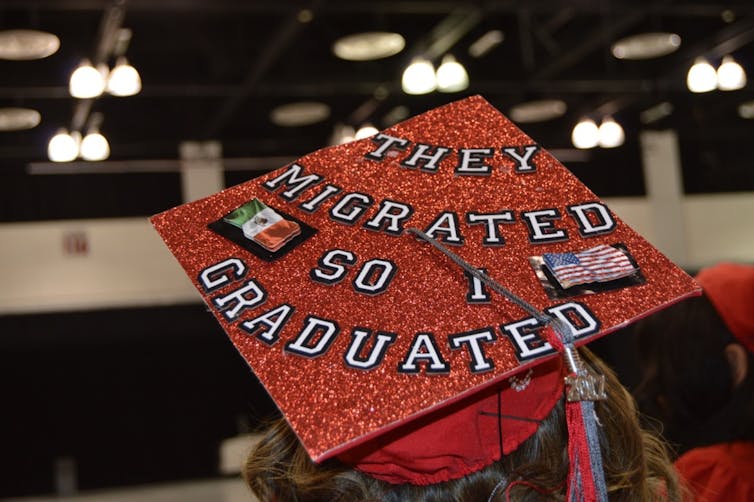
(63, 147)
(701, 77)
(419, 77)
(730, 75)
(342, 134)
(585, 134)
(347, 134)
(486, 43)
(123, 80)
(610, 133)
(19, 119)
(301, 113)
(305, 16)
(366, 131)
(24, 45)
(395, 115)
(746, 110)
(646, 45)
(656, 112)
(728, 16)
(368, 46)
(451, 75)
(537, 111)
(94, 146)
(87, 81)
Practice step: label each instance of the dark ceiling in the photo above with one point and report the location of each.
(214, 70)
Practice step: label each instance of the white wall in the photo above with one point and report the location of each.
(720, 227)
(128, 265)
(716, 227)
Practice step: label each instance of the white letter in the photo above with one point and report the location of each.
(580, 212)
(493, 237)
(423, 348)
(337, 212)
(528, 343)
(365, 283)
(297, 184)
(580, 313)
(478, 363)
(471, 161)
(330, 262)
(523, 165)
(312, 204)
(385, 212)
(211, 283)
(539, 221)
(476, 293)
(377, 354)
(446, 224)
(387, 142)
(314, 326)
(274, 319)
(430, 159)
(241, 302)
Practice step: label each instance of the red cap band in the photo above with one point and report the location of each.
(466, 436)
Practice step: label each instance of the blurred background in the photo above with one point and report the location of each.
(116, 383)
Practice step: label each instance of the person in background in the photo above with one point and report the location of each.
(443, 460)
(698, 380)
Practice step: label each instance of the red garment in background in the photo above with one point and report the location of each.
(721, 472)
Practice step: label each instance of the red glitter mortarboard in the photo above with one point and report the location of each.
(360, 330)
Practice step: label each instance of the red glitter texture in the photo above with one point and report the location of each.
(332, 406)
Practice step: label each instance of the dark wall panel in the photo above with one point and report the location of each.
(133, 396)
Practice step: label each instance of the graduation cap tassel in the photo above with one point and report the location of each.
(586, 478)
(586, 481)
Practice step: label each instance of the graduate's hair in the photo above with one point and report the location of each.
(635, 461)
(686, 379)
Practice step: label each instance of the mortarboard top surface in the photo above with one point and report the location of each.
(354, 325)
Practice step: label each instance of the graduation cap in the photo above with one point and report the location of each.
(415, 280)
(730, 288)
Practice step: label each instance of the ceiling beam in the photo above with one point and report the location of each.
(572, 55)
(328, 89)
(152, 165)
(112, 20)
(269, 54)
(725, 41)
(440, 40)
(685, 9)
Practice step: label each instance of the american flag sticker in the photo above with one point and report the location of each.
(587, 271)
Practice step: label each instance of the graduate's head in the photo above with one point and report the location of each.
(451, 455)
(730, 288)
(698, 360)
